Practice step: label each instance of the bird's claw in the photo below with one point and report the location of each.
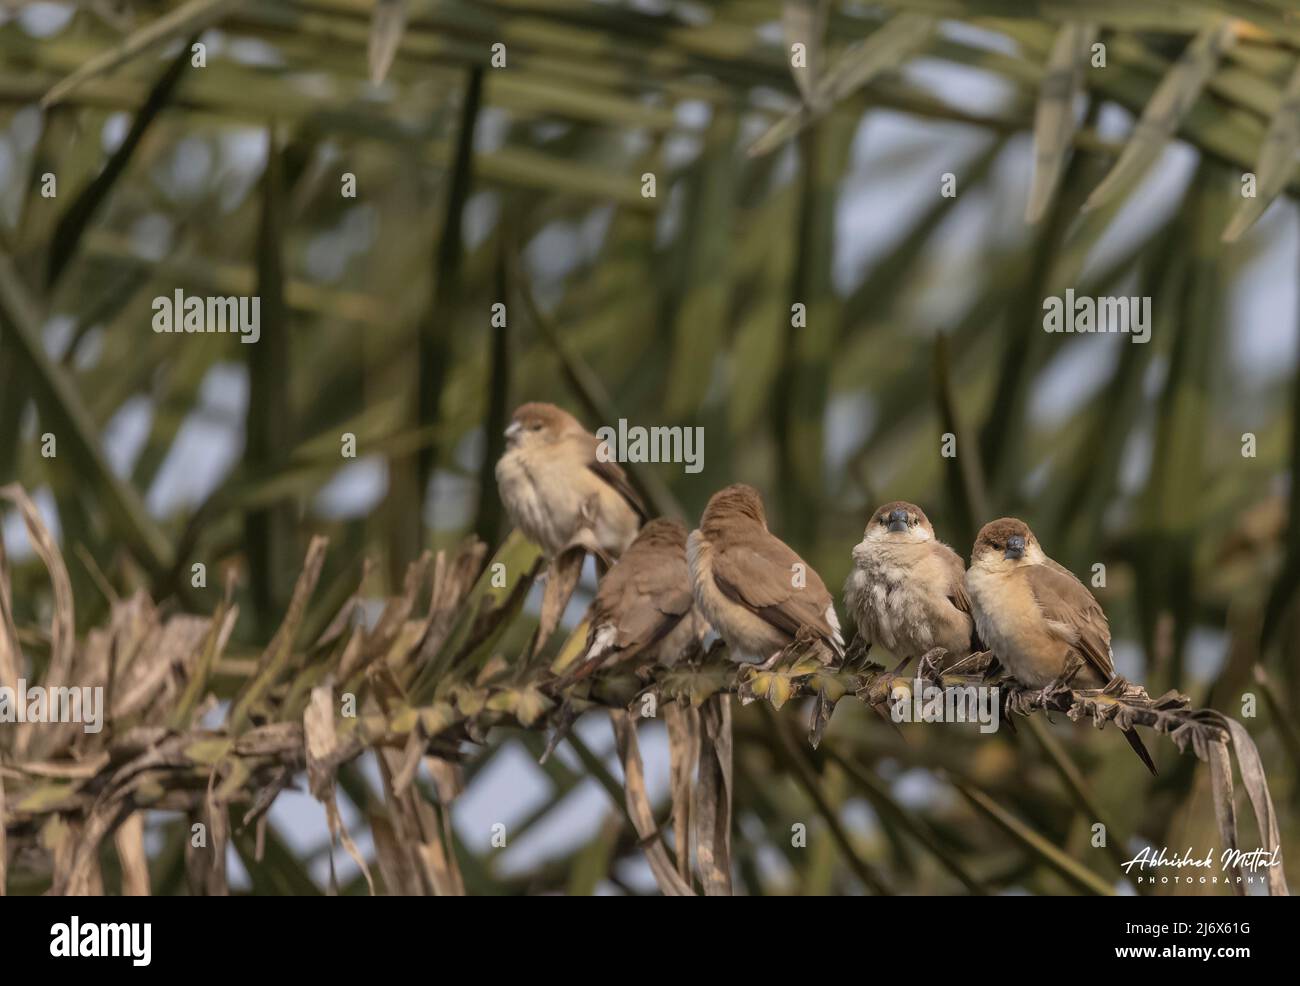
(564, 722)
(857, 651)
(930, 666)
(993, 668)
(1022, 701)
(1046, 695)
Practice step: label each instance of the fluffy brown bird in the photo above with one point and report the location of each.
(557, 490)
(755, 591)
(907, 589)
(1036, 616)
(643, 609)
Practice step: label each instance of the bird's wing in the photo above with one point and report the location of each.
(957, 594)
(643, 626)
(612, 474)
(1072, 614)
(666, 586)
(760, 575)
(955, 573)
(644, 600)
(658, 598)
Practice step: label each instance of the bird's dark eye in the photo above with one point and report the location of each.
(535, 427)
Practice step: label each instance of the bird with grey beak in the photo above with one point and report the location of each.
(1037, 617)
(643, 611)
(907, 590)
(559, 492)
(751, 586)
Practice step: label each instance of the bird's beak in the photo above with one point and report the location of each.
(512, 432)
(897, 521)
(1015, 548)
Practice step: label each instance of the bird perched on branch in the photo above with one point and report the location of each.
(754, 590)
(643, 610)
(1037, 617)
(907, 589)
(558, 490)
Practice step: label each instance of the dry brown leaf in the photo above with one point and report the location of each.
(11, 655)
(62, 621)
(561, 581)
(639, 809)
(339, 831)
(1225, 811)
(713, 797)
(683, 725)
(421, 838)
(1256, 784)
(129, 842)
(321, 740)
(4, 845)
(410, 763)
(394, 868)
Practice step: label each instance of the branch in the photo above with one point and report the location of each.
(428, 688)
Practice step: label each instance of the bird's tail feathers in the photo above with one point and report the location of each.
(1135, 741)
(602, 642)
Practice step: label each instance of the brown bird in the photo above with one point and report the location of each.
(755, 591)
(643, 609)
(557, 490)
(907, 590)
(1036, 616)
